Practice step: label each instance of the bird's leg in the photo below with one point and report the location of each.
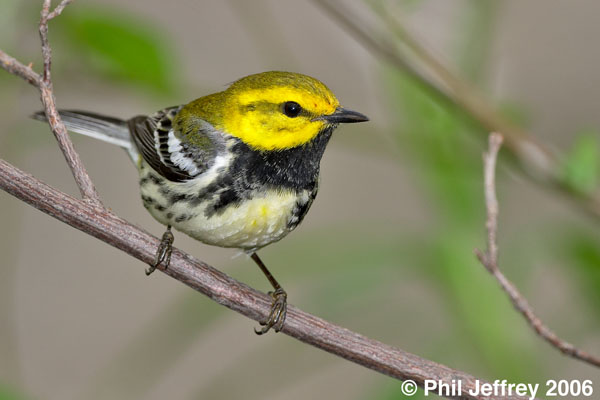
(163, 254)
(278, 312)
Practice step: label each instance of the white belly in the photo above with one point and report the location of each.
(251, 225)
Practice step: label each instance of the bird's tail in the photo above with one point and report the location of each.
(108, 129)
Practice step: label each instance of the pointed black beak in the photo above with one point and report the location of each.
(341, 116)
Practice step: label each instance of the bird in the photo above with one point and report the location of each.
(237, 168)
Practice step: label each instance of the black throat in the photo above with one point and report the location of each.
(296, 168)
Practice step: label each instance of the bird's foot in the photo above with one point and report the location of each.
(163, 254)
(278, 313)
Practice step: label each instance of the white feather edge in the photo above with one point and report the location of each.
(178, 158)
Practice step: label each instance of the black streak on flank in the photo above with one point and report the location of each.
(226, 198)
(147, 199)
(183, 217)
(302, 208)
(176, 198)
(154, 179)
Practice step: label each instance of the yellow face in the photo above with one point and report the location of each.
(276, 110)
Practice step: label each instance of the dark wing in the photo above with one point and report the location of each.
(162, 148)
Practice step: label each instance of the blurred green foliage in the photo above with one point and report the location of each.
(410, 4)
(447, 163)
(120, 47)
(446, 157)
(580, 250)
(449, 167)
(582, 165)
(7, 393)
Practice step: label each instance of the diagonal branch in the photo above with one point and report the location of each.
(489, 259)
(101, 223)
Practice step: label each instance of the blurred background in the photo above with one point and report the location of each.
(387, 249)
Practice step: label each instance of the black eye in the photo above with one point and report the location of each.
(291, 109)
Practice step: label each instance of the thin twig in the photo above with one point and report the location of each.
(535, 159)
(101, 223)
(46, 50)
(491, 201)
(19, 69)
(59, 9)
(489, 259)
(83, 180)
